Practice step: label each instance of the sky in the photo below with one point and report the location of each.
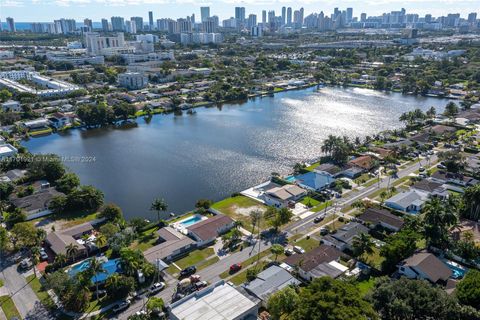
(48, 10)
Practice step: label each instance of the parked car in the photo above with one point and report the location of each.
(188, 271)
(26, 264)
(201, 284)
(43, 255)
(421, 169)
(298, 249)
(122, 305)
(318, 218)
(235, 267)
(323, 231)
(156, 287)
(289, 252)
(441, 166)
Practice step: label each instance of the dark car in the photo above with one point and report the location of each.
(122, 305)
(318, 219)
(188, 271)
(235, 267)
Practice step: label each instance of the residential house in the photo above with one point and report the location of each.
(433, 188)
(284, 196)
(344, 237)
(319, 262)
(37, 124)
(36, 204)
(205, 232)
(13, 175)
(453, 178)
(365, 163)
(270, 281)
(59, 120)
(425, 266)
(171, 244)
(381, 217)
(314, 181)
(217, 301)
(409, 201)
(7, 150)
(58, 241)
(11, 106)
(329, 169)
(382, 153)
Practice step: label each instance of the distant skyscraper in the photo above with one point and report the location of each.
(302, 15)
(204, 13)
(11, 24)
(428, 18)
(363, 17)
(284, 15)
(264, 16)
(472, 17)
(349, 14)
(336, 12)
(150, 20)
(209, 25)
(252, 21)
(138, 23)
(105, 25)
(130, 26)
(118, 23)
(289, 16)
(240, 14)
(88, 23)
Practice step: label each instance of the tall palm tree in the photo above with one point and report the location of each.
(438, 217)
(101, 240)
(159, 205)
(72, 251)
(35, 255)
(61, 259)
(276, 249)
(94, 268)
(362, 244)
(255, 217)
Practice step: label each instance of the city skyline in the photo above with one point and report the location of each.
(34, 11)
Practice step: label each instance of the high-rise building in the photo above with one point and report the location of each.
(289, 16)
(11, 24)
(150, 20)
(302, 15)
(363, 17)
(192, 18)
(256, 31)
(88, 23)
(65, 26)
(118, 23)
(97, 44)
(209, 25)
(162, 24)
(185, 25)
(138, 23)
(264, 17)
(130, 26)
(252, 21)
(472, 17)
(240, 14)
(349, 15)
(105, 27)
(284, 15)
(428, 18)
(204, 13)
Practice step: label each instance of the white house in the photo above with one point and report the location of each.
(59, 120)
(7, 150)
(284, 196)
(12, 106)
(425, 266)
(410, 201)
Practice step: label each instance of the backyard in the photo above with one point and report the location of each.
(239, 208)
(8, 307)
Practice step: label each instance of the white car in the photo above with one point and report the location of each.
(122, 305)
(298, 249)
(157, 287)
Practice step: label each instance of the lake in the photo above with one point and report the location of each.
(218, 151)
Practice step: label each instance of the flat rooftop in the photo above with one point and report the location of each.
(217, 302)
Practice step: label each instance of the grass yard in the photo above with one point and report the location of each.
(40, 132)
(310, 202)
(9, 308)
(374, 259)
(322, 206)
(312, 166)
(307, 244)
(146, 239)
(365, 286)
(74, 218)
(1, 283)
(241, 277)
(247, 262)
(42, 294)
(239, 208)
(195, 257)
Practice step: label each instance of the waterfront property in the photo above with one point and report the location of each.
(206, 231)
(58, 241)
(109, 267)
(314, 181)
(284, 196)
(171, 244)
(36, 204)
(183, 224)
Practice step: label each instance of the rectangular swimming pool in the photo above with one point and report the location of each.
(190, 221)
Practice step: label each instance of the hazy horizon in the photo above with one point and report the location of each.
(48, 10)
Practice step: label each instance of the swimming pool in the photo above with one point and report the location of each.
(110, 267)
(457, 270)
(190, 221)
(290, 179)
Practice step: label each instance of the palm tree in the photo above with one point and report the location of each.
(101, 240)
(159, 205)
(276, 249)
(129, 264)
(383, 195)
(35, 253)
(255, 217)
(438, 217)
(61, 259)
(362, 244)
(94, 268)
(72, 251)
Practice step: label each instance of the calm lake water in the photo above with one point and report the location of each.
(216, 152)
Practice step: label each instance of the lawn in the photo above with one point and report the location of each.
(146, 239)
(40, 132)
(247, 262)
(310, 202)
(42, 295)
(195, 257)
(9, 308)
(239, 208)
(74, 218)
(1, 283)
(374, 259)
(312, 166)
(321, 206)
(307, 244)
(241, 277)
(365, 286)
